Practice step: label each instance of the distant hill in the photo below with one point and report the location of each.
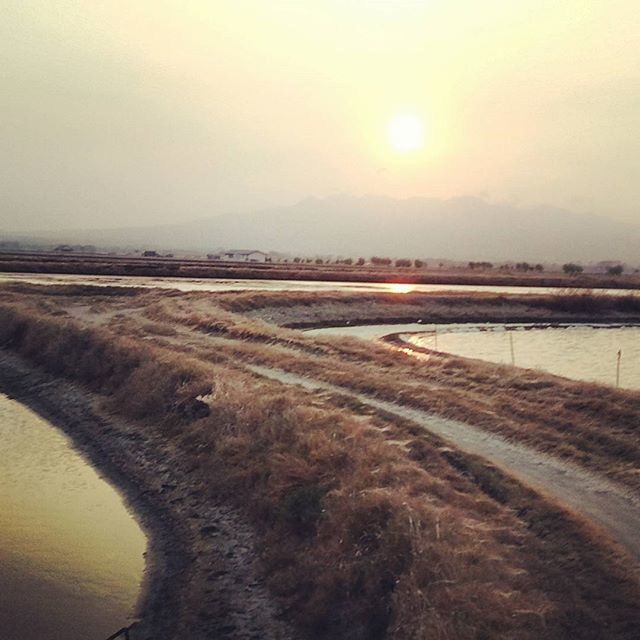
(458, 228)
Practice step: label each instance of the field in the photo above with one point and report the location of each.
(344, 514)
(429, 273)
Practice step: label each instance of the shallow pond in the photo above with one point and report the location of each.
(580, 352)
(206, 284)
(71, 555)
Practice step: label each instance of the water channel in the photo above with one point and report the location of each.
(206, 284)
(71, 555)
(580, 352)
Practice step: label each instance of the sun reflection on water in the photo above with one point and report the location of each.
(396, 287)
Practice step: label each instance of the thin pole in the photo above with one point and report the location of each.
(513, 354)
(618, 367)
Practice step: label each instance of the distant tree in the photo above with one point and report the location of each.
(381, 261)
(418, 264)
(524, 266)
(150, 254)
(615, 270)
(319, 261)
(539, 268)
(296, 260)
(572, 269)
(403, 262)
(360, 262)
(480, 265)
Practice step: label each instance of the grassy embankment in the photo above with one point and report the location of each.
(368, 528)
(593, 425)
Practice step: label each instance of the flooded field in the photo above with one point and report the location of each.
(201, 284)
(587, 353)
(71, 555)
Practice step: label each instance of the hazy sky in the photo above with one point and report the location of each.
(143, 111)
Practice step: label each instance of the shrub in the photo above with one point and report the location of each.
(572, 269)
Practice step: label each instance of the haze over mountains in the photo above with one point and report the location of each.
(466, 228)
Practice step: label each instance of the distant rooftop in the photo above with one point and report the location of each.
(244, 251)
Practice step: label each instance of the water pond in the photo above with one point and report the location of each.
(579, 352)
(206, 284)
(71, 555)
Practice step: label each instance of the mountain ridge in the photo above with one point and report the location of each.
(461, 228)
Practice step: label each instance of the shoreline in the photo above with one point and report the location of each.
(189, 538)
(42, 392)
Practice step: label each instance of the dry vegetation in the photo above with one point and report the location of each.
(368, 528)
(590, 424)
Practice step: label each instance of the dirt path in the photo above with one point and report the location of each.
(612, 507)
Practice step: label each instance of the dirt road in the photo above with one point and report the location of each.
(613, 508)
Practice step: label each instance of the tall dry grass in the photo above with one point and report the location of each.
(358, 539)
(595, 426)
(364, 534)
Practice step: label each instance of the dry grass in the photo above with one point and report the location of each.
(368, 529)
(350, 542)
(593, 425)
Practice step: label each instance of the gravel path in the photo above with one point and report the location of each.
(612, 507)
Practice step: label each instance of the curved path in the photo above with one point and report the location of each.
(614, 508)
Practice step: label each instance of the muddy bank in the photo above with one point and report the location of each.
(202, 578)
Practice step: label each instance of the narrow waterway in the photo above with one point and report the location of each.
(71, 555)
(597, 353)
(230, 284)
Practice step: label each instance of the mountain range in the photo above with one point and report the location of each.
(465, 228)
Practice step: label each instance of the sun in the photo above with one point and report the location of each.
(406, 132)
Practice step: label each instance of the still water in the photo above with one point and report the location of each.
(206, 284)
(579, 352)
(71, 555)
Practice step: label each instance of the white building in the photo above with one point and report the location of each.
(242, 255)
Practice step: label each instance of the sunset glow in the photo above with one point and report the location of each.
(406, 132)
